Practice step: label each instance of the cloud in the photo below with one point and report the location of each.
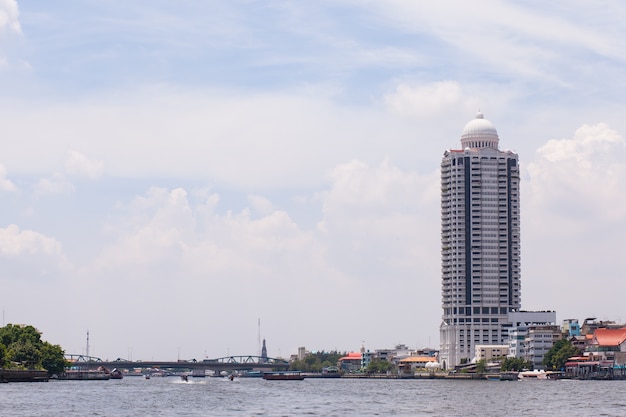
(5, 184)
(573, 217)
(57, 184)
(261, 204)
(9, 13)
(508, 39)
(582, 175)
(375, 214)
(424, 100)
(78, 164)
(163, 229)
(29, 255)
(11, 46)
(248, 140)
(179, 247)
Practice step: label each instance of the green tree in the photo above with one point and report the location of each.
(11, 333)
(558, 355)
(481, 366)
(315, 362)
(53, 358)
(2, 354)
(25, 353)
(23, 345)
(515, 364)
(377, 366)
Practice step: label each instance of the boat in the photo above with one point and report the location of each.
(116, 374)
(85, 375)
(533, 375)
(283, 376)
(543, 375)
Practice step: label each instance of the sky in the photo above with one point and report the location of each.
(182, 179)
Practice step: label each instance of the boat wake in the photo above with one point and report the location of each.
(189, 381)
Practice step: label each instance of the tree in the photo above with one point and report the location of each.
(25, 353)
(11, 333)
(558, 355)
(23, 345)
(315, 362)
(515, 364)
(53, 358)
(481, 366)
(377, 366)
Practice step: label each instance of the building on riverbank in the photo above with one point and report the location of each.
(480, 243)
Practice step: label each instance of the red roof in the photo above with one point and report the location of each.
(609, 337)
(352, 356)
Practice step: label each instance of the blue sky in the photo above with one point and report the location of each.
(186, 168)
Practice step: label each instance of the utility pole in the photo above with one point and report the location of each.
(87, 349)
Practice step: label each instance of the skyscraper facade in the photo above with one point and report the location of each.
(480, 243)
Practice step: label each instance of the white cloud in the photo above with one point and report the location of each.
(78, 164)
(374, 236)
(9, 16)
(26, 254)
(372, 225)
(502, 34)
(261, 204)
(14, 242)
(586, 173)
(57, 184)
(573, 217)
(5, 184)
(250, 141)
(11, 46)
(424, 100)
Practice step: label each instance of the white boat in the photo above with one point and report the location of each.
(533, 375)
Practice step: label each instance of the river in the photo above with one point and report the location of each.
(135, 396)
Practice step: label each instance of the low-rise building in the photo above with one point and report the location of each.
(489, 352)
(521, 322)
(411, 364)
(538, 342)
(571, 328)
(351, 362)
(607, 342)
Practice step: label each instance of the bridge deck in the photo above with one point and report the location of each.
(230, 363)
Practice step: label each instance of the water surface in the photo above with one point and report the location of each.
(134, 396)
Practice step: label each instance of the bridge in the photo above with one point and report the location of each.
(227, 363)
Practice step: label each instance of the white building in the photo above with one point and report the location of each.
(480, 243)
(489, 352)
(538, 342)
(521, 322)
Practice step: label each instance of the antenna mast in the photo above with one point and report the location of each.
(87, 349)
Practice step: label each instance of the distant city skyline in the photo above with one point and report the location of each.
(172, 171)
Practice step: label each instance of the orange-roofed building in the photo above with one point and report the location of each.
(606, 342)
(413, 363)
(351, 362)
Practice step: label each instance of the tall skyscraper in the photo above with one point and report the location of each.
(480, 243)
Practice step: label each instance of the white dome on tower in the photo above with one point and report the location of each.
(479, 133)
